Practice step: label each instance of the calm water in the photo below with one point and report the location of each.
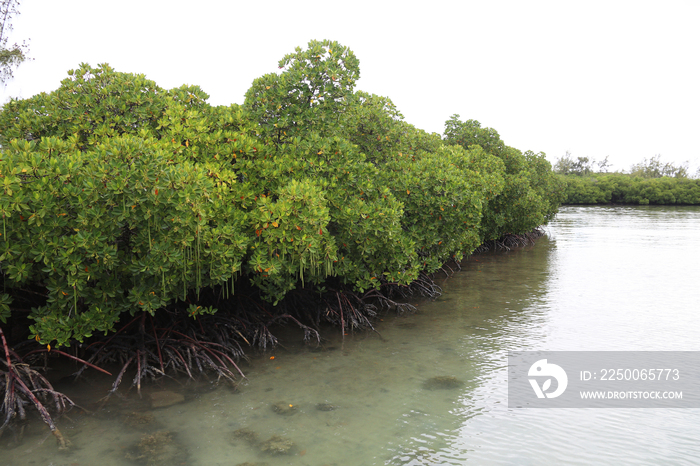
(603, 279)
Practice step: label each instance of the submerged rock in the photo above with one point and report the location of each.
(442, 383)
(246, 434)
(326, 407)
(284, 408)
(158, 449)
(277, 445)
(165, 398)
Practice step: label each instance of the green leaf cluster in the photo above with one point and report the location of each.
(119, 196)
(117, 228)
(531, 193)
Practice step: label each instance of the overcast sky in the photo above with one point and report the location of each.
(595, 78)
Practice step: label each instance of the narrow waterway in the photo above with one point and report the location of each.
(604, 278)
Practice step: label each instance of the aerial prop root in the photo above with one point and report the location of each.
(174, 344)
(17, 379)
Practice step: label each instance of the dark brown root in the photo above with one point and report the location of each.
(427, 287)
(15, 383)
(511, 241)
(347, 310)
(172, 344)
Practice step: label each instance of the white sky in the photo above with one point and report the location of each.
(596, 78)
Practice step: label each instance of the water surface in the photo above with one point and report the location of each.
(604, 278)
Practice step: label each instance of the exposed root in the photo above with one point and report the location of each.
(426, 287)
(175, 344)
(15, 383)
(348, 310)
(511, 241)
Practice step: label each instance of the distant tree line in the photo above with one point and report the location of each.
(648, 182)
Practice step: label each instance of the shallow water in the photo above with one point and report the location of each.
(605, 278)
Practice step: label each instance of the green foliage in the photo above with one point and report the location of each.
(300, 114)
(582, 166)
(11, 57)
(580, 190)
(375, 125)
(444, 193)
(530, 195)
(293, 242)
(357, 219)
(308, 96)
(120, 196)
(619, 188)
(115, 229)
(90, 105)
(5, 301)
(442, 188)
(655, 168)
(652, 168)
(649, 182)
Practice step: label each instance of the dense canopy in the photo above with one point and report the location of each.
(120, 196)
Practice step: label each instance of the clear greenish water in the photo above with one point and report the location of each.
(605, 278)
